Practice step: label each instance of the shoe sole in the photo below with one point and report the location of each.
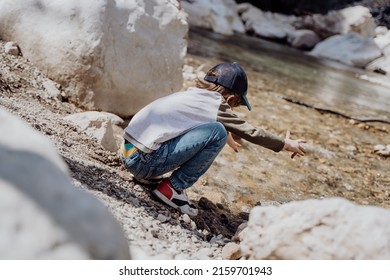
(164, 199)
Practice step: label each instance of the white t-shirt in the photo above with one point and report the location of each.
(171, 116)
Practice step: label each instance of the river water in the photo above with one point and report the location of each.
(313, 80)
(340, 161)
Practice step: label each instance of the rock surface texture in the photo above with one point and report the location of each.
(42, 216)
(317, 229)
(110, 55)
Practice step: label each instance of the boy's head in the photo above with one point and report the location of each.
(231, 76)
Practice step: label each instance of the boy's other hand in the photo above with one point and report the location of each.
(232, 143)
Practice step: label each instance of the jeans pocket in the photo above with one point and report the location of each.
(145, 157)
(156, 157)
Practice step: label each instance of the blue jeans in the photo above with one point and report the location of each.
(190, 155)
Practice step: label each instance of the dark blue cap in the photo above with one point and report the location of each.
(232, 77)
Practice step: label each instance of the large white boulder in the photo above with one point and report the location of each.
(332, 228)
(218, 15)
(42, 215)
(303, 39)
(356, 19)
(383, 39)
(352, 49)
(266, 24)
(110, 55)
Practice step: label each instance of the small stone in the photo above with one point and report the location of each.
(231, 251)
(379, 147)
(154, 233)
(11, 48)
(384, 153)
(363, 125)
(351, 148)
(333, 142)
(162, 218)
(186, 219)
(193, 225)
(213, 240)
(348, 187)
(138, 188)
(51, 89)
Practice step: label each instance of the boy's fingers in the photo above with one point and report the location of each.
(293, 155)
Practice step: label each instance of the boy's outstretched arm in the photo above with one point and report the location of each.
(294, 146)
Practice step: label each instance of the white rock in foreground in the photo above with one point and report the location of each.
(42, 216)
(13, 134)
(109, 55)
(317, 229)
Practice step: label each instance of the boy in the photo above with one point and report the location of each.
(184, 132)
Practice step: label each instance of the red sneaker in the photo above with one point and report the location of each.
(174, 198)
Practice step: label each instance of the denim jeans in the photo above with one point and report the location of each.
(189, 156)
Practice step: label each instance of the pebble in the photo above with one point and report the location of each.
(379, 147)
(162, 218)
(382, 150)
(186, 219)
(231, 251)
(11, 48)
(193, 225)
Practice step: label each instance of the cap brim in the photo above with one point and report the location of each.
(246, 102)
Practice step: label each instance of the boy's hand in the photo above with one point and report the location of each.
(232, 143)
(294, 146)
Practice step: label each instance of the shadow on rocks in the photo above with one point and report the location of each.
(216, 219)
(105, 181)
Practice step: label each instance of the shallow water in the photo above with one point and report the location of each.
(309, 79)
(340, 159)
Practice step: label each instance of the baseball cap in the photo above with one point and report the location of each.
(231, 76)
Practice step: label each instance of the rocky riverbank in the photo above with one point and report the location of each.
(346, 158)
(155, 231)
